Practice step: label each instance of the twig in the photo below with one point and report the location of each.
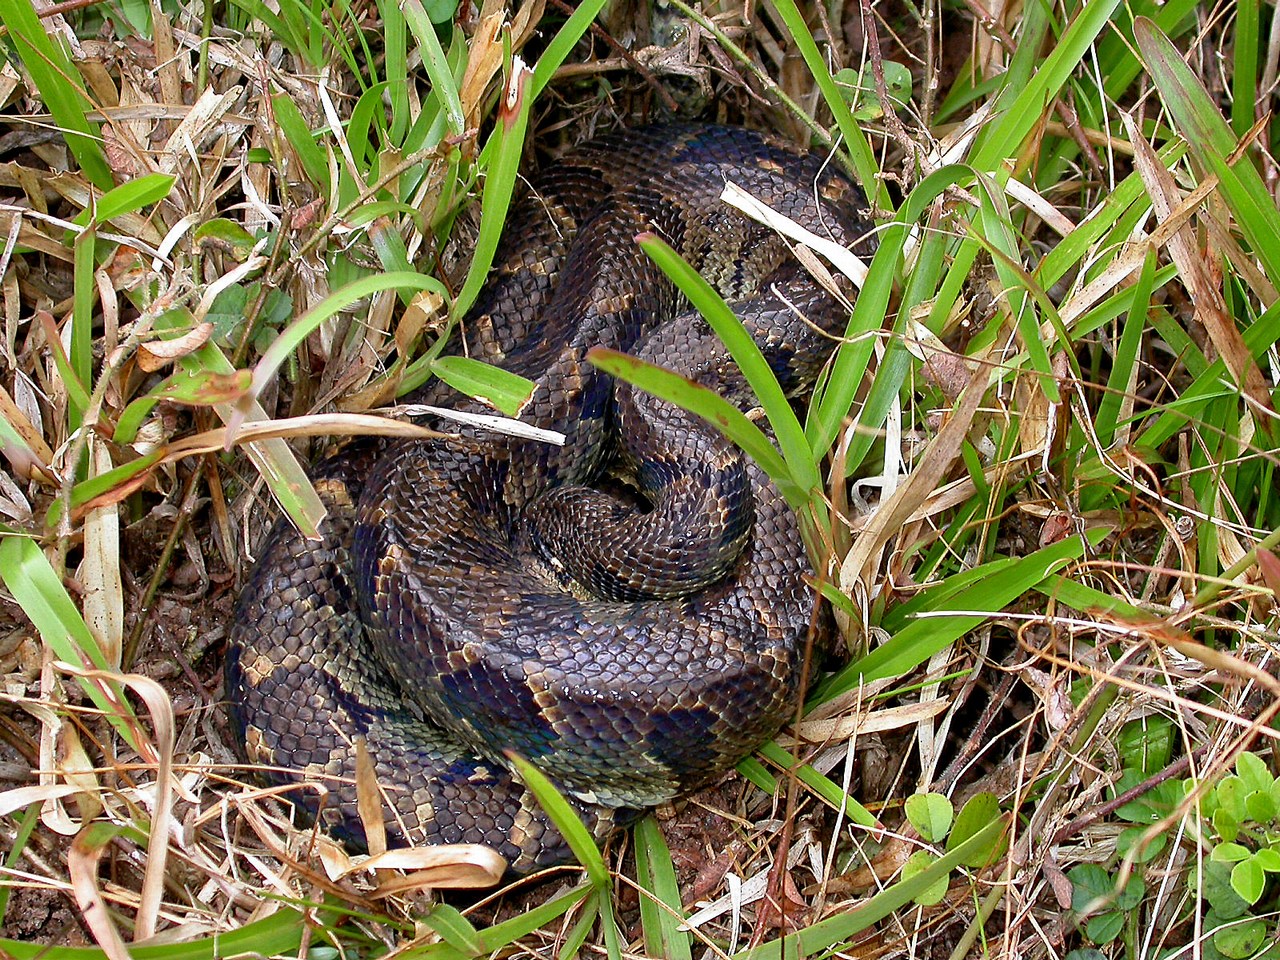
(1133, 793)
(162, 565)
(646, 74)
(977, 738)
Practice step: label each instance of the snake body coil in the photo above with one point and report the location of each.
(634, 638)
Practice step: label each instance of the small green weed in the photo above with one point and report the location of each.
(933, 817)
(1094, 895)
(1235, 821)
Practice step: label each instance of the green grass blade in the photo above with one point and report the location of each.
(284, 345)
(367, 126)
(274, 460)
(1244, 75)
(1083, 597)
(102, 483)
(582, 927)
(38, 590)
(608, 925)
(819, 783)
(508, 931)
(84, 295)
(1212, 142)
(21, 836)
(1019, 109)
(746, 354)
(296, 133)
(1025, 57)
(997, 229)
(916, 642)
(1117, 53)
(566, 821)
(1129, 193)
(128, 197)
(388, 244)
(813, 939)
(59, 86)
(661, 911)
(276, 935)
(562, 44)
(834, 397)
(1253, 211)
(395, 69)
(1124, 370)
(501, 389)
(864, 160)
(455, 929)
(77, 391)
(434, 61)
(504, 149)
(713, 408)
(758, 774)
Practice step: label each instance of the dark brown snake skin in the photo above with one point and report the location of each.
(635, 638)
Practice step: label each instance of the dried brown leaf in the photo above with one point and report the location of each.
(82, 868)
(369, 800)
(453, 866)
(856, 570)
(156, 354)
(100, 569)
(1193, 267)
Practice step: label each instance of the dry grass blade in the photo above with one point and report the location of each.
(163, 739)
(19, 798)
(314, 425)
(1206, 294)
(104, 596)
(856, 571)
(163, 731)
(82, 867)
(459, 866)
(846, 262)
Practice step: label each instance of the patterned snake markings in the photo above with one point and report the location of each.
(627, 611)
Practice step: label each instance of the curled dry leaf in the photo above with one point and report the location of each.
(843, 727)
(82, 867)
(786, 911)
(119, 157)
(1056, 527)
(159, 353)
(62, 753)
(13, 502)
(483, 64)
(886, 864)
(306, 215)
(455, 866)
(1054, 694)
(425, 312)
(20, 798)
(944, 368)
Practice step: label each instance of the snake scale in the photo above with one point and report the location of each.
(628, 611)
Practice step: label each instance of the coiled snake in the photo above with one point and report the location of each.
(633, 639)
